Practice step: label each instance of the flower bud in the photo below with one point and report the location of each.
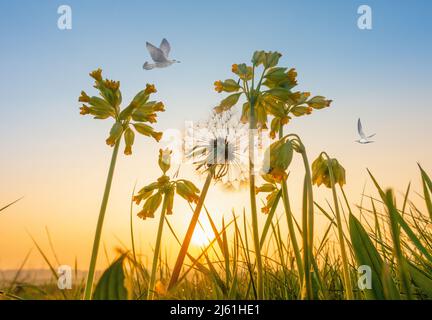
(150, 206)
(218, 86)
(115, 133)
(150, 88)
(164, 159)
(318, 102)
(185, 192)
(129, 137)
(159, 107)
(271, 59)
(96, 74)
(266, 187)
(144, 129)
(292, 75)
(150, 187)
(112, 85)
(170, 200)
(157, 135)
(84, 110)
(299, 111)
(279, 156)
(191, 186)
(84, 97)
(258, 58)
(142, 195)
(321, 172)
(271, 198)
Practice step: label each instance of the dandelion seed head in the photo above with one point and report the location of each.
(220, 142)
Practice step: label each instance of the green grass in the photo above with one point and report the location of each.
(392, 236)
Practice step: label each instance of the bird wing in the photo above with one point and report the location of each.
(360, 129)
(165, 47)
(156, 54)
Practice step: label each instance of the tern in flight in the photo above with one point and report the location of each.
(159, 56)
(363, 138)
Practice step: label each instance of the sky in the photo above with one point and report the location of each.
(58, 160)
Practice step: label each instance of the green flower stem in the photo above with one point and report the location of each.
(133, 242)
(150, 292)
(256, 239)
(307, 220)
(189, 233)
(310, 229)
(306, 291)
(90, 277)
(345, 269)
(290, 222)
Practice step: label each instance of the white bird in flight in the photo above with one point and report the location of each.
(363, 138)
(159, 56)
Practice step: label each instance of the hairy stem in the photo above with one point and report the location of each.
(290, 222)
(90, 277)
(308, 224)
(150, 292)
(345, 268)
(254, 214)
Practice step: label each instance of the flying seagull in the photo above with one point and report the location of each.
(363, 138)
(159, 55)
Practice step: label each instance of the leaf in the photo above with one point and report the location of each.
(280, 93)
(420, 279)
(427, 183)
(366, 254)
(111, 285)
(230, 85)
(397, 249)
(230, 101)
(403, 224)
(8, 205)
(276, 74)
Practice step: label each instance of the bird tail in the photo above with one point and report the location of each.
(148, 66)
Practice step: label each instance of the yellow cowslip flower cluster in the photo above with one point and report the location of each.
(135, 115)
(154, 192)
(277, 99)
(321, 171)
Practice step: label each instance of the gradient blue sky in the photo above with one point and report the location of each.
(382, 75)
